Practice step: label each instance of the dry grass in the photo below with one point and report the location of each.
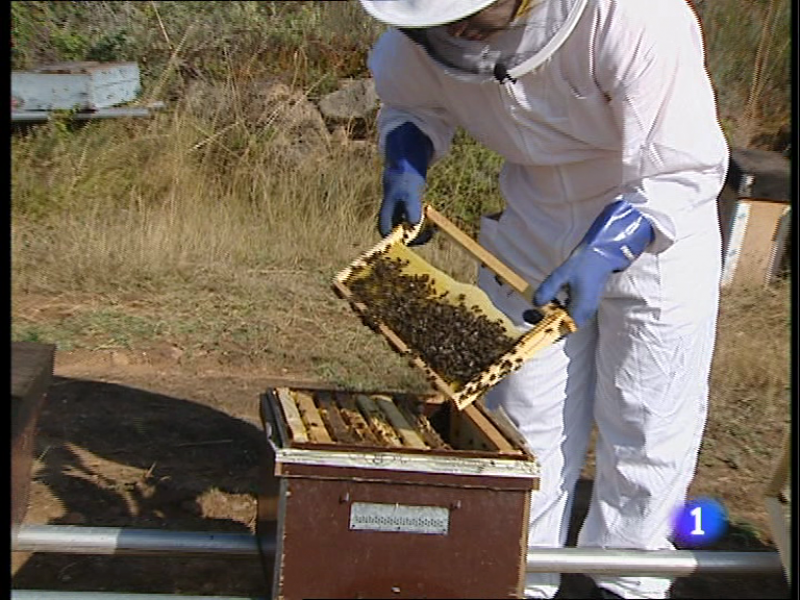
(751, 372)
(748, 53)
(750, 404)
(150, 237)
(148, 207)
(313, 44)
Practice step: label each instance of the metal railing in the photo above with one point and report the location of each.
(70, 539)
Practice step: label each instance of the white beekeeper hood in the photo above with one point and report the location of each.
(422, 13)
(524, 45)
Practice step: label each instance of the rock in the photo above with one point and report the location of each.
(289, 113)
(356, 99)
(270, 106)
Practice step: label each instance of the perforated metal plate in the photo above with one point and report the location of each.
(370, 516)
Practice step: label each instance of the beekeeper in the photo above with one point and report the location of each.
(614, 158)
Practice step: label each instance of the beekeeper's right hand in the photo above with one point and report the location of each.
(407, 154)
(616, 238)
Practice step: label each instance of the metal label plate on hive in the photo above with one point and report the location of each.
(369, 516)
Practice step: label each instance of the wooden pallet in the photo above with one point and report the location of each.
(316, 417)
(555, 322)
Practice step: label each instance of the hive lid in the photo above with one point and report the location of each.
(760, 175)
(448, 329)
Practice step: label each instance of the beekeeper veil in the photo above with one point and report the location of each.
(535, 33)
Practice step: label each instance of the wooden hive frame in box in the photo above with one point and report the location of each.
(337, 420)
(554, 324)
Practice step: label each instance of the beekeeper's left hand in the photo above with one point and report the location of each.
(407, 154)
(616, 238)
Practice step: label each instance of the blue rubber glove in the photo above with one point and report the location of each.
(616, 238)
(407, 155)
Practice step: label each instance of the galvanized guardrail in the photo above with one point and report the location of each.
(71, 539)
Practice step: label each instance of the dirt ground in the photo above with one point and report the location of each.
(143, 440)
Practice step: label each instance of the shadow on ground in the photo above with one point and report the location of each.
(116, 456)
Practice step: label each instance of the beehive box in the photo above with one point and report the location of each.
(755, 217)
(448, 329)
(385, 495)
(85, 85)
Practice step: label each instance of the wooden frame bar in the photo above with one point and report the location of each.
(778, 504)
(292, 415)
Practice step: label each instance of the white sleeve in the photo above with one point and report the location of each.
(407, 82)
(649, 61)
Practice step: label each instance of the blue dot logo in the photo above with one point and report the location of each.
(699, 522)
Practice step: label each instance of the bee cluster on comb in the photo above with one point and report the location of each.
(454, 339)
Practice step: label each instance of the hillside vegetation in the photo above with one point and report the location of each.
(314, 44)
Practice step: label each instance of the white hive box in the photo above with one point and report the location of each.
(755, 217)
(75, 86)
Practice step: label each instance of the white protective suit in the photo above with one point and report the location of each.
(622, 104)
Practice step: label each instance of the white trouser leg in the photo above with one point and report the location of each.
(549, 401)
(655, 344)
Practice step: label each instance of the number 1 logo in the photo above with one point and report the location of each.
(700, 522)
(697, 513)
